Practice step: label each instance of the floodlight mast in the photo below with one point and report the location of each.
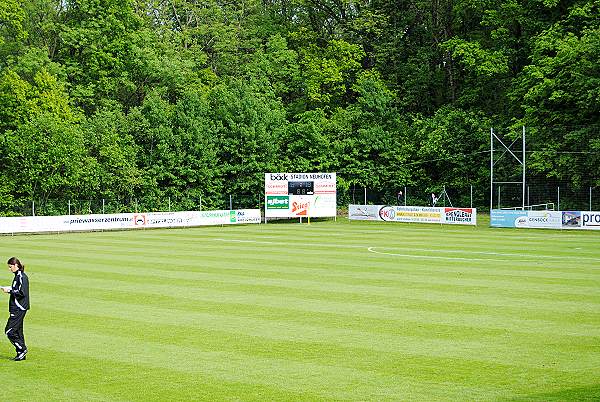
(523, 197)
(491, 169)
(521, 162)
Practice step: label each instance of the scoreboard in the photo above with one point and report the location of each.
(301, 187)
(290, 195)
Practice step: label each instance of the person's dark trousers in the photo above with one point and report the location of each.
(14, 330)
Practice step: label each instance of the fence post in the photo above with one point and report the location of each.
(230, 203)
(200, 203)
(404, 195)
(471, 196)
(103, 206)
(69, 203)
(528, 203)
(499, 197)
(169, 204)
(590, 198)
(365, 196)
(32, 207)
(445, 195)
(558, 197)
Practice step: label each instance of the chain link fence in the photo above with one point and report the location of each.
(463, 197)
(562, 197)
(50, 207)
(536, 196)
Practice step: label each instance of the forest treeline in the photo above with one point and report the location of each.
(186, 98)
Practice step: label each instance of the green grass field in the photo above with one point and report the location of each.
(328, 311)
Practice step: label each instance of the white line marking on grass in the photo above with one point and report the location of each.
(435, 257)
(251, 241)
(521, 257)
(540, 234)
(556, 257)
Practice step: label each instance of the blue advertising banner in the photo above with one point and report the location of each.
(507, 218)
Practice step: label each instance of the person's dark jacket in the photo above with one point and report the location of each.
(19, 293)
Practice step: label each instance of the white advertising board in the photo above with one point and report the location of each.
(446, 215)
(590, 220)
(292, 195)
(70, 223)
(542, 220)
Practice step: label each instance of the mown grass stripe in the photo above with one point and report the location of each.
(584, 289)
(345, 310)
(490, 299)
(215, 254)
(288, 375)
(431, 345)
(26, 383)
(492, 250)
(100, 379)
(455, 370)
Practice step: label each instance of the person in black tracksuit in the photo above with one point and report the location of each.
(18, 305)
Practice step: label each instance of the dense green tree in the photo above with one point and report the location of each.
(558, 94)
(248, 125)
(46, 158)
(12, 31)
(328, 73)
(274, 68)
(453, 151)
(97, 41)
(28, 90)
(305, 145)
(369, 139)
(198, 160)
(185, 101)
(115, 173)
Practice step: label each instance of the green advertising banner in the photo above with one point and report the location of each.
(278, 202)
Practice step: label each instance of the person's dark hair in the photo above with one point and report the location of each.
(15, 261)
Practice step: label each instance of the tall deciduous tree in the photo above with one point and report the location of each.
(46, 158)
(558, 94)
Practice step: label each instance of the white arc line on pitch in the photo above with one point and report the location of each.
(435, 257)
(514, 256)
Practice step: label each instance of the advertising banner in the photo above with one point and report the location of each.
(460, 216)
(589, 220)
(571, 219)
(364, 212)
(70, 223)
(544, 219)
(290, 195)
(508, 218)
(453, 216)
(412, 214)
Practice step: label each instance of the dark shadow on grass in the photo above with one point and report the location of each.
(591, 393)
